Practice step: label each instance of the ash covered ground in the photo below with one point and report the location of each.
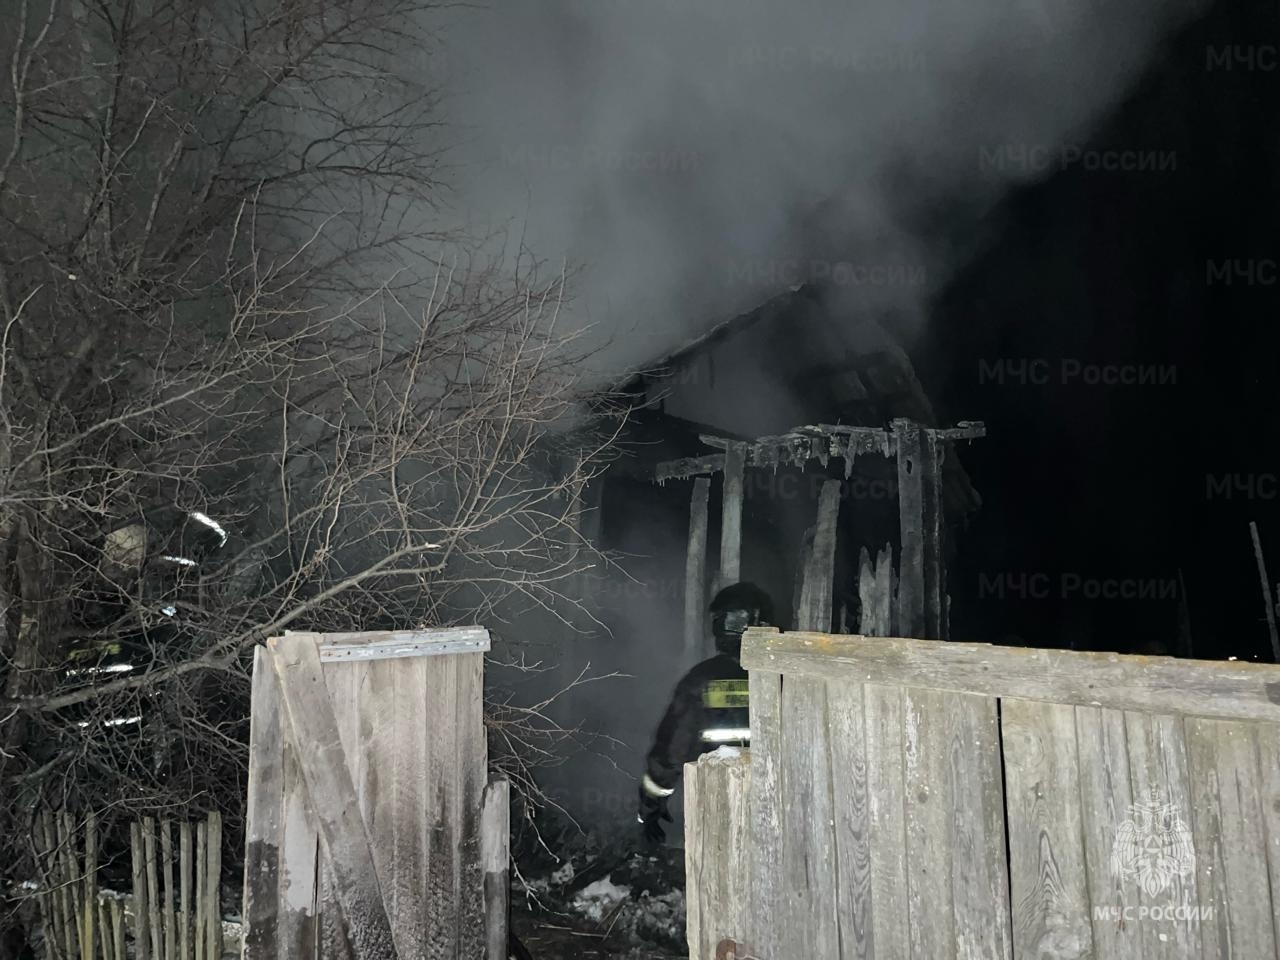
(599, 897)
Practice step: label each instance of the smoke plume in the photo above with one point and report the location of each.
(696, 156)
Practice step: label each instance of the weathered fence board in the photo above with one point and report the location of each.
(1267, 741)
(83, 921)
(331, 792)
(264, 819)
(1158, 767)
(980, 879)
(1231, 839)
(1105, 798)
(1048, 877)
(887, 804)
(768, 892)
(495, 858)
(1230, 691)
(847, 743)
(928, 821)
(718, 856)
(808, 838)
(937, 800)
(370, 799)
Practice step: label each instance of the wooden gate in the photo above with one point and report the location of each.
(918, 799)
(371, 831)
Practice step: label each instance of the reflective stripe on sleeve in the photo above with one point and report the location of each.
(653, 790)
(726, 734)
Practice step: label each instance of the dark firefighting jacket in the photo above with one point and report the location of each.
(707, 710)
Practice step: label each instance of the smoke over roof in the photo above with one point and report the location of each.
(697, 156)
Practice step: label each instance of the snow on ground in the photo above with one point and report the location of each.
(596, 901)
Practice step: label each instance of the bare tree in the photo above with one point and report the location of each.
(244, 385)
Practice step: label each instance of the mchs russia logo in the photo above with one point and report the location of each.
(1154, 848)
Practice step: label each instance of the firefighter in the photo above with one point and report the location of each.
(708, 708)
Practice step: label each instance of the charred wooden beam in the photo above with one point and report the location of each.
(796, 447)
(695, 565)
(687, 467)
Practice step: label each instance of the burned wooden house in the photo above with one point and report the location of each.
(792, 446)
(791, 441)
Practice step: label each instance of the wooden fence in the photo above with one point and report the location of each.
(917, 799)
(169, 916)
(371, 831)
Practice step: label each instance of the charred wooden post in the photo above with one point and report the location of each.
(922, 603)
(695, 566)
(875, 592)
(814, 611)
(731, 515)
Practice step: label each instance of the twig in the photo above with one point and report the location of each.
(1266, 593)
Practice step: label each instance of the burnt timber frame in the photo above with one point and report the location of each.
(922, 606)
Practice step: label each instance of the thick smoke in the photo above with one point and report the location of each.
(695, 156)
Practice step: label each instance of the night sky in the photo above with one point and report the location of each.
(1168, 274)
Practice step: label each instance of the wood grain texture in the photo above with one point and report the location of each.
(263, 811)
(767, 816)
(1267, 742)
(847, 744)
(470, 774)
(886, 805)
(731, 515)
(141, 907)
(402, 754)
(1231, 839)
(299, 841)
(717, 852)
(979, 871)
(1049, 888)
(911, 529)
(313, 730)
(809, 843)
(928, 809)
(1158, 762)
(875, 592)
(695, 572)
(814, 611)
(495, 861)
(1105, 797)
(1225, 690)
(213, 888)
(933, 529)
